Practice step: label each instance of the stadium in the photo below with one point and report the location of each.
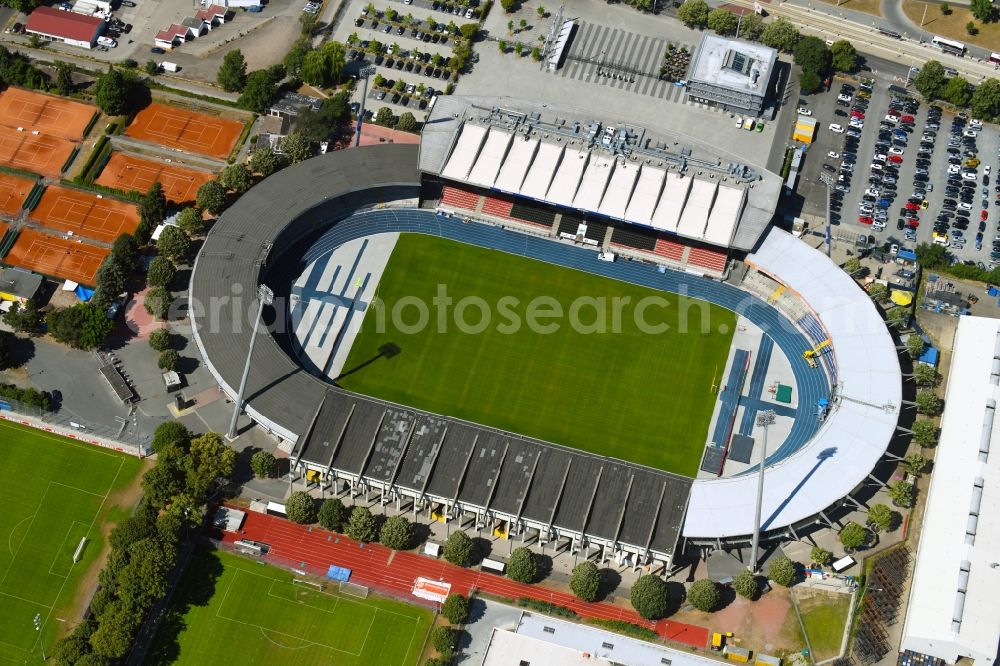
(594, 444)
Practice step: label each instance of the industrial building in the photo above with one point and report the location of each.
(952, 611)
(67, 27)
(732, 74)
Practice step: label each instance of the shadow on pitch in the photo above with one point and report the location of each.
(388, 350)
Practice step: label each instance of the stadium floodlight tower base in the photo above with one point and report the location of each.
(363, 73)
(265, 296)
(764, 420)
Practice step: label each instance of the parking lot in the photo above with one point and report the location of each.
(954, 203)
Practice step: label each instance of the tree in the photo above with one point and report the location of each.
(880, 517)
(161, 272)
(236, 177)
(111, 92)
(971, 28)
(263, 464)
(878, 292)
(396, 533)
(144, 579)
(929, 82)
(171, 433)
(82, 326)
(70, 649)
(190, 221)
(844, 57)
(296, 147)
(211, 197)
(315, 68)
(384, 116)
(166, 479)
(746, 585)
(704, 595)
(898, 317)
(265, 161)
(924, 432)
(469, 30)
(173, 244)
(536, 53)
(852, 266)
(780, 34)
(258, 92)
(957, 91)
(983, 10)
(126, 251)
(853, 536)
(115, 632)
(650, 597)
(443, 639)
(64, 77)
(508, 5)
(945, 8)
(751, 27)
(361, 526)
(820, 556)
(152, 67)
(693, 13)
(301, 508)
(232, 75)
(928, 402)
(168, 360)
(458, 548)
(782, 571)
(915, 345)
(809, 82)
(502, 44)
(332, 514)
(208, 462)
(336, 57)
(586, 581)
(455, 608)
(153, 207)
(812, 55)
(522, 566)
(24, 317)
(985, 102)
(722, 21)
(159, 339)
(407, 123)
(916, 464)
(157, 302)
(902, 493)
(141, 525)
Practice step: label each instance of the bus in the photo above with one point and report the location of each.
(949, 45)
(890, 33)
(995, 58)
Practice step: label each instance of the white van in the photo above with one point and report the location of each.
(169, 66)
(107, 41)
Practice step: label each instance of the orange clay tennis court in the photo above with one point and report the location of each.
(13, 191)
(101, 219)
(49, 115)
(193, 132)
(56, 257)
(126, 172)
(39, 153)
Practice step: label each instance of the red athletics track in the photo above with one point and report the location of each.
(371, 564)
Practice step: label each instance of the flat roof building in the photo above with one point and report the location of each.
(67, 27)
(731, 74)
(952, 610)
(19, 285)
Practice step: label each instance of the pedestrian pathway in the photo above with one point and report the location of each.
(372, 564)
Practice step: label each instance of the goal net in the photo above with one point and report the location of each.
(308, 583)
(354, 590)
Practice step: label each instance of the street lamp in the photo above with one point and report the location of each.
(363, 73)
(265, 296)
(38, 627)
(764, 420)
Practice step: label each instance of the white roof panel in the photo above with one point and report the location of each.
(675, 194)
(486, 168)
(514, 168)
(539, 177)
(967, 425)
(616, 198)
(567, 179)
(725, 214)
(852, 438)
(647, 192)
(463, 156)
(694, 217)
(595, 181)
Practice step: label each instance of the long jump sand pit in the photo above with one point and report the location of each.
(56, 257)
(83, 214)
(185, 130)
(35, 152)
(13, 191)
(51, 116)
(127, 172)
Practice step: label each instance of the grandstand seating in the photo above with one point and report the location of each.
(670, 249)
(568, 225)
(710, 259)
(497, 206)
(634, 237)
(596, 231)
(504, 207)
(457, 197)
(528, 213)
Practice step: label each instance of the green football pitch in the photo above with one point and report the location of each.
(639, 393)
(229, 609)
(54, 492)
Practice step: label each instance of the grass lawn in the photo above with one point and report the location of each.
(640, 396)
(873, 7)
(54, 492)
(953, 25)
(824, 615)
(229, 609)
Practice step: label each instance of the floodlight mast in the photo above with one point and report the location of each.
(764, 420)
(265, 296)
(363, 73)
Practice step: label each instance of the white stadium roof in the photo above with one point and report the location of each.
(699, 204)
(466, 151)
(536, 185)
(615, 202)
(853, 437)
(491, 158)
(595, 181)
(567, 178)
(953, 610)
(672, 202)
(515, 167)
(725, 214)
(646, 194)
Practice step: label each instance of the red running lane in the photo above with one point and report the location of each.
(370, 564)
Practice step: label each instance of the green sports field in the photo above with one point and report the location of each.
(633, 394)
(229, 609)
(54, 492)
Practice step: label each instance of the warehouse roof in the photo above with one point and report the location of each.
(733, 64)
(68, 25)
